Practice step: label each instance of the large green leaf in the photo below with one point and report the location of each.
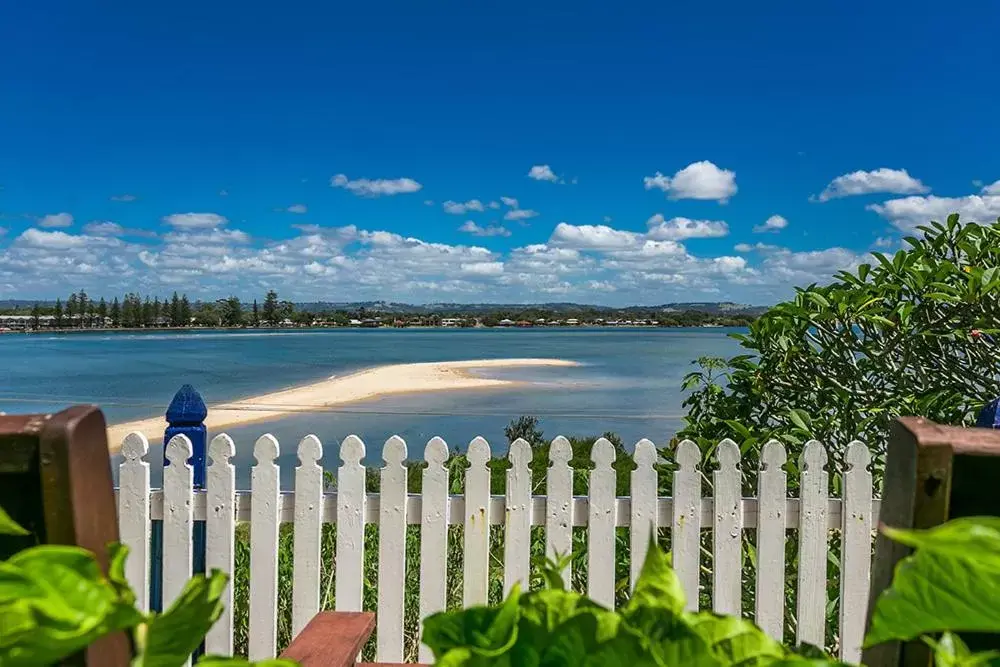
(950, 651)
(951, 582)
(174, 635)
(658, 586)
(478, 632)
(10, 527)
(736, 641)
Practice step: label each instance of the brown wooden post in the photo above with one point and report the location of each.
(933, 473)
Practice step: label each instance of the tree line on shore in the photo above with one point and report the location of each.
(134, 311)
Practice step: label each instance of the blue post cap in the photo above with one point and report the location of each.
(988, 417)
(187, 408)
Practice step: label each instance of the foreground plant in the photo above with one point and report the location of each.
(55, 602)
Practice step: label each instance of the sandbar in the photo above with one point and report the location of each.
(360, 386)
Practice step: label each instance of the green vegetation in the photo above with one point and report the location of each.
(950, 584)
(55, 601)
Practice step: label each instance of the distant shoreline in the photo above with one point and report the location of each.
(327, 328)
(364, 385)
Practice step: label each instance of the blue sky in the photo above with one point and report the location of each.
(224, 148)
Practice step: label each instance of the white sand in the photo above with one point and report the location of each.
(372, 383)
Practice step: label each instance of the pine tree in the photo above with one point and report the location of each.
(71, 309)
(175, 311)
(270, 311)
(156, 311)
(185, 311)
(116, 313)
(58, 313)
(36, 314)
(83, 306)
(102, 312)
(255, 319)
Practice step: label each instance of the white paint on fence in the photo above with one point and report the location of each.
(476, 573)
(308, 534)
(433, 536)
(601, 544)
(262, 634)
(686, 534)
(517, 536)
(811, 588)
(133, 512)
(351, 498)
(855, 552)
(726, 513)
(644, 485)
(220, 542)
(178, 520)
(727, 531)
(771, 490)
(392, 551)
(559, 505)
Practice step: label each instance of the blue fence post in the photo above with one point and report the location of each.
(988, 417)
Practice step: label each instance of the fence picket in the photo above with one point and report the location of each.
(601, 525)
(133, 512)
(308, 533)
(770, 590)
(644, 486)
(727, 533)
(178, 520)
(813, 492)
(477, 524)
(262, 635)
(433, 536)
(517, 522)
(350, 556)
(685, 537)
(392, 551)
(855, 560)
(559, 505)
(220, 538)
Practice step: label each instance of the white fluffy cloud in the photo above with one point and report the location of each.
(461, 208)
(698, 180)
(364, 187)
(991, 189)
(509, 202)
(773, 224)
(592, 237)
(297, 208)
(907, 213)
(103, 228)
(679, 229)
(195, 220)
(543, 172)
(470, 227)
(519, 214)
(56, 220)
(891, 181)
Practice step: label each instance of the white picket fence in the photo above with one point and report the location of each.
(771, 514)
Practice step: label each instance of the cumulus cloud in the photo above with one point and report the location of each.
(103, 228)
(364, 187)
(123, 198)
(991, 189)
(907, 213)
(461, 208)
(699, 180)
(543, 172)
(470, 227)
(891, 181)
(773, 224)
(678, 229)
(297, 208)
(509, 202)
(520, 214)
(195, 220)
(56, 220)
(594, 237)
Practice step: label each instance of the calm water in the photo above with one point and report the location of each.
(629, 382)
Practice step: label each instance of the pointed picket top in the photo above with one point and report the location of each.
(352, 450)
(645, 453)
(394, 451)
(688, 455)
(857, 456)
(728, 455)
(772, 455)
(560, 451)
(436, 451)
(178, 450)
(603, 453)
(135, 447)
(266, 449)
(310, 450)
(813, 457)
(187, 408)
(520, 454)
(479, 451)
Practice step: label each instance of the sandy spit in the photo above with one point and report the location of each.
(368, 384)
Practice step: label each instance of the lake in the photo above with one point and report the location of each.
(628, 381)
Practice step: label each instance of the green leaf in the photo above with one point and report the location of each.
(10, 527)
(658, 586)
(478, 631)
(177, 632)
(801, 419)
(950, 651)
(736, 641)
(951, 582)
